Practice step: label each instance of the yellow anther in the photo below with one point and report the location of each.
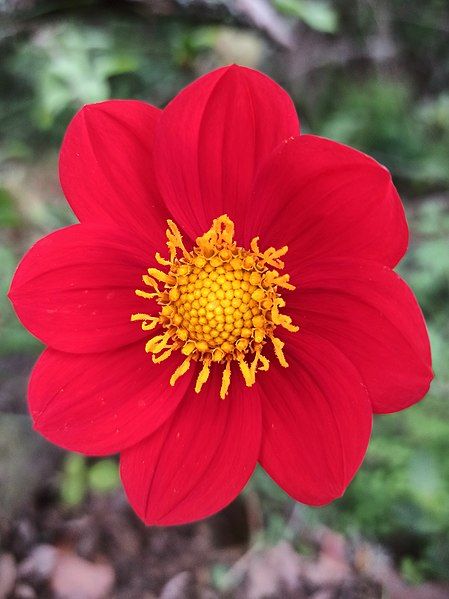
(283, 282)
(149, 326)
(202, 377)
(150, 282)
(161, 276)
(286, 322)
(278, 345)
(141, 316)
(158, 343)
(225, 380)
(163, 356)
(145, 294)
(161, 261)
(265, 363)
(148, 323)
(182, 369)
(175, 241)
(248, 375)
(254, 245)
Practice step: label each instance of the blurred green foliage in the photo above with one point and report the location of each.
(381, 117)
(70, 63)
(398, 113)
(317, 14)
(79, 477)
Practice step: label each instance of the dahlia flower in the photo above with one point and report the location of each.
(226, 299)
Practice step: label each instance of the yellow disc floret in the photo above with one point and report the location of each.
(219, 303)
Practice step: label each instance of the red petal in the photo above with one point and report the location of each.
(316, 419)
(324, 199)
(372, 316)
(212, 138)
(74, 289)
(101, 403)
(196, 463)
(106, 167)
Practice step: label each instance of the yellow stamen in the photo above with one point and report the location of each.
(278, 345)
(265, 363)
(166, 354)
(145, 294)
(225, 380)
(247, 373)
(202, 377)
(175, 241)
(182, 369)
(161, 261)
(141, 316)
(149, 326)
(161, 276)
(158, 343)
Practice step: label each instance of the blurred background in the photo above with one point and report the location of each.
(370, 73)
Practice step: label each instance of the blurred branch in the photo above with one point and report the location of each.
(259, 14)
(262, 14)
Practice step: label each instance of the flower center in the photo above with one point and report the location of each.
(219, 303)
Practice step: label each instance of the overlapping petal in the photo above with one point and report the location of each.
(106, 167)
(211, 140)
(74, 289)
(199, 460)
(102, 403)
(316, 421)
(372, 316)
(324, 199)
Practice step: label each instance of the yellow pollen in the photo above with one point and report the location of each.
(218, 303)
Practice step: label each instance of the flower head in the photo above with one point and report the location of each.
(228, 298)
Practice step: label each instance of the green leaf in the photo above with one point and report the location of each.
(103, 476)
(9, 216)
(318, 15)
(73, 481)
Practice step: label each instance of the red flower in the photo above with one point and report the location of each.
(137, 364)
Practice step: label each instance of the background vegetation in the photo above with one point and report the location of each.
(372, 74)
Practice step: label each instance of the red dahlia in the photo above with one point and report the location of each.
(200, 349)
